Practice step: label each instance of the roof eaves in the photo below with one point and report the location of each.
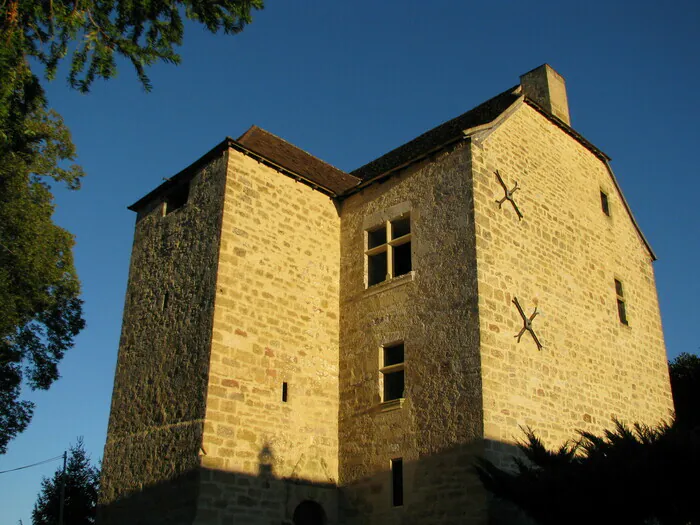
(228, 142)
(277, 137)
(268, 162)
(181, 175)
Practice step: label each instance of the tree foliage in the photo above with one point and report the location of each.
(40, 309)
(80, 496)
(95, 32)
(685, 385)
(636, 475)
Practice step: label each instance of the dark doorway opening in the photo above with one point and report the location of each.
(309, 513)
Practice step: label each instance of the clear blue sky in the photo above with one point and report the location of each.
(347, 81)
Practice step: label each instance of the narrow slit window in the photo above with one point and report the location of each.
(284, 392)
(177, 198)
(392, 372)
(389, 250)
(621, 306)
(166, 299)
(604, 203)
(397, 482)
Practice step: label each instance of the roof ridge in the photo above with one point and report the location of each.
(246, 132)
(263, 130)
(291, 157)
(510, 91)
(437, 135)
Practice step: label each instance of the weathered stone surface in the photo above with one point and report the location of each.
(562, 258)
(258, 286)
(158, 404)
(434, 312)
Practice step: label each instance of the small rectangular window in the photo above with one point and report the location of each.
(284, 392)
(177, 198)
(389, 250)
(397, 482)
(393, 385)
(621, 308)
(393, 355)
(392, 372)
(604, 203)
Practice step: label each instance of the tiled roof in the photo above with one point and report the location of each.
(294, 159)
(438, 136)
(329, 178)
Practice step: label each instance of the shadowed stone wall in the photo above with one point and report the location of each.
(158, 403)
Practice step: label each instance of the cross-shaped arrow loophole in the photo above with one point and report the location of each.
(508, 195)
(527, 324)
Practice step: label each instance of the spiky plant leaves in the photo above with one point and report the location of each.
(630, 475)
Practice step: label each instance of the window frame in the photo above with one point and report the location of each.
(394, 368)
(621, 302)
(389, 246)
(177, 198)
(605, 203)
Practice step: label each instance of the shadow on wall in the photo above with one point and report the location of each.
(437, 489)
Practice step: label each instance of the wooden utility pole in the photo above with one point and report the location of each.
(63, 491)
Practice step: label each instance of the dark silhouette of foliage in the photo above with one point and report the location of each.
(95, 32)
(628, 476)
(685, 384)
(81, 488)
(40, 309)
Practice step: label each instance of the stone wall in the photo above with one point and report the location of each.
(275, 322)
(149, 469)
(563, 258)
(433, 310)
(256, 287)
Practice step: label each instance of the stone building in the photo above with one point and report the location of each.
(304, 345)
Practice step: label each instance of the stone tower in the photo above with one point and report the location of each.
(227, 378)
(303, 345)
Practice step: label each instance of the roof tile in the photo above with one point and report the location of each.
(438, 136)
(297, 160)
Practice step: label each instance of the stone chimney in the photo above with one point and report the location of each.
(547, 88)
